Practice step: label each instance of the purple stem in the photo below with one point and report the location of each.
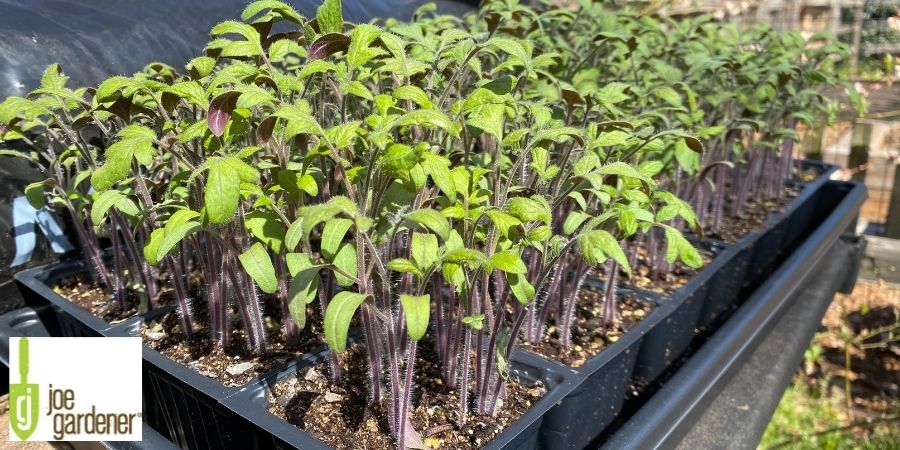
(180, 297)
(609, 295)
(407, 392)
(119, 268)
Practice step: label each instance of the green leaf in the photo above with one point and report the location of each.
(433, 220)
(202, 65)
(424, 250)
(345, 259)
(53, 77)
(315, 214)
(151, 249)
(679, 247)
(623, 170)
(688, 159)
(613, 93)
(222, 191)
(668, 95)
(464, 255)
(34, 193)
(438, 168)
(190, 91)
(109, 90)
(338, 314)
(574, 220)
(299, 120)
(258, 264)
(414, 94)
(303, 288)
(329, 18)
(179, 226)
(343, 135)
(137, 143)
(285, 11)
(429, 118)
(101, 205)
(279, 49)
(333, 236)
(529, 209)
(294, 234)
(266, 227)
(651, 168)
(611, 138)
(595, 246)
(489, 118)
(476, 322)
(361, 39)
(416, 309)
(507, 261)
(627, 222)
(404, 265)
(507, 224)
(252, 46)
(520, 287)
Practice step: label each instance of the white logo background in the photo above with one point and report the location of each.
(102, 372)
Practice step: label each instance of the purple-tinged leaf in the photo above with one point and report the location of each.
(693, 143)
(327, 45)
(265, 128)
(220, 110)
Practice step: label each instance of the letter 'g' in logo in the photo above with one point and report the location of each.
(23, 404)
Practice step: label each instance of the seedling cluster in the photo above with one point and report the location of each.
(458, 177)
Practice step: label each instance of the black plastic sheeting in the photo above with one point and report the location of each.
(95, 39)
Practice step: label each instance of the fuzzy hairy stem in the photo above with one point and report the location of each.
(407, 393)
(139, 264)
(464, 385)
(119, 268)
(180, 297)
(256, 320)
(372, 349)
(291, 331)
(609, 295)
(565, 326)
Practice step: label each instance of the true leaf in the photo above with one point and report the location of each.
(258, 264)
(416, 309)
(520, 287)
(431, 219)
(333, 236)
(222, 191)
(338, 314)
(303, 287)
(329, 18)
(507, 261)
(345, 260)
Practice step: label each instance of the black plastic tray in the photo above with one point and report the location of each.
(269, 431)
(661, 339)
(666, 417)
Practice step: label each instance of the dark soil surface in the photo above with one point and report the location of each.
(97, 300)
(588, 335)
(236, 364)
(343, 417)
(642, 276)
(755, 213)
